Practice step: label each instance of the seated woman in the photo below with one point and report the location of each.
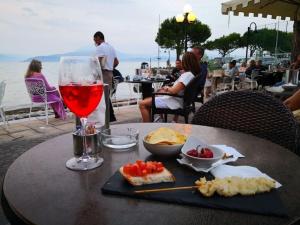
(34, 71)
(176, 72)
(243, 67)
(293, 103)
(191, 68)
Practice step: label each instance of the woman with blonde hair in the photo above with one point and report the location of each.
(34, 71)
(191, 68)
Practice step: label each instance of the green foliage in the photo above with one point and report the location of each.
(212, 65)
(265, 40)
(171, 34)
(225, 44)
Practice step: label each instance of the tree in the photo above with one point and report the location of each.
(265, 40)
(171, 34)
(226, 44)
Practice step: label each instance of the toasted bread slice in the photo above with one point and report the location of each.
(164, 176)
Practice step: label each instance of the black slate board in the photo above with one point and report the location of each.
(265, 204)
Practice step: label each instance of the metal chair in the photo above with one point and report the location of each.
(2, 112)
(253, 113)
(113, 93)
(38, 94)
(189, 98)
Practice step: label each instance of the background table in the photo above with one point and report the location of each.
(146, 85)
(41, 190)
(284, 94)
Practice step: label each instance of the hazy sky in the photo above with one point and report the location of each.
(43, 27)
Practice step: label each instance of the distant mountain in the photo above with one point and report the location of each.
(87, 51)
(10, 58)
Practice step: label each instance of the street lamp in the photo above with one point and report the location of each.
(186, 18)
(247, 40)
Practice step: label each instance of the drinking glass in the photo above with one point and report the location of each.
(81, 87)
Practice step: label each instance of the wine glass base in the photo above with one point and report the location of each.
(86, 164)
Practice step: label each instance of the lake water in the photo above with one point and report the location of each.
(16, 93)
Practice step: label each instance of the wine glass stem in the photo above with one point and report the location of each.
(84, 152)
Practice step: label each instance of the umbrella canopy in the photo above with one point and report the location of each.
(275, 8)
(282, 8)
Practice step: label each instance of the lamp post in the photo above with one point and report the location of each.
(186, 18)
(247, 40)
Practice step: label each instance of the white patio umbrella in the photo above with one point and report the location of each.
(275, 8)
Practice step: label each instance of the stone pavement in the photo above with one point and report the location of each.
(36, 127)
(22, 135)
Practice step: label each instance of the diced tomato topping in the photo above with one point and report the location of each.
(159, 164)
(144, 172)
(127, 169)
(159, 169)
(141, 168)
(134, 170)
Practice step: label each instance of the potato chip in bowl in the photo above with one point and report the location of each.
(165, 136)
(164, 142)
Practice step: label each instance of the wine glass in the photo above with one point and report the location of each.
(81, 87)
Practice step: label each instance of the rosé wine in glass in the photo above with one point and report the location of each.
(81, 87)
(82, 100)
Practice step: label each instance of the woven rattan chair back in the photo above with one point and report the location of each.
(191, 91)
(36, 87)
(253, 113)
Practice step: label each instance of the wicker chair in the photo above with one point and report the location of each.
(189, 98)
(254, 113)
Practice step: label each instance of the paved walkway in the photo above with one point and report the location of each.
(36, 127)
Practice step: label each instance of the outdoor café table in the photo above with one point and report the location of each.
(146, 85)
(41, 190)
(283, 95)
(270, 78)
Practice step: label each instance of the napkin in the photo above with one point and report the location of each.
(222, 171)
(229, 150)
(275, 89)
(184, 161)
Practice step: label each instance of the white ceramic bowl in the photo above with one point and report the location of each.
(203, 162)
(163, 150)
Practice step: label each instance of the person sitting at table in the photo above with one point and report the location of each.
(191, 69)
(231, 73)
(243, 67)
(199, 53)
(250, 68)
(34, 71)
(175, 74)
(296, 64)
(259, 66)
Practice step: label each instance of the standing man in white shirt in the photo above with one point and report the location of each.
(108, 60)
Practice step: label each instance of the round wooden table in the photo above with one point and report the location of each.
(41, 190)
